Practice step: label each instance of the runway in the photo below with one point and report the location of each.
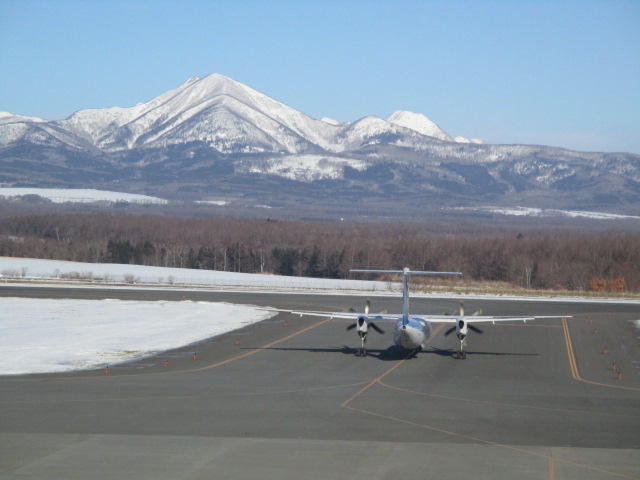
(287, 398)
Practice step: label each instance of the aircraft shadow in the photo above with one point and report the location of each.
(392, 353)
(450, 352)
(388, 354)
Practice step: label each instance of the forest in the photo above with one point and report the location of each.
(533, 258)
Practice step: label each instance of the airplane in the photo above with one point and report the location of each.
(411, 332)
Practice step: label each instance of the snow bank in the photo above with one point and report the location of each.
(46, 335)
(30, 268)
(81, 195)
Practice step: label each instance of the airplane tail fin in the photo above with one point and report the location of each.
(405, 284)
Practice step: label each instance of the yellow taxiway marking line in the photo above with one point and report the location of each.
(573, 363)
(551, 461)
(172, 372)
(503, 404)
(378, 379)
(258, 349)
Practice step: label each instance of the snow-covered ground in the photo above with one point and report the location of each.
(305, 168)
(549, 212)
(46, 335)
(42, 335)
(80, 195)
(36, 269)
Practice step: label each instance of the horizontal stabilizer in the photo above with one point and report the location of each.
(406, 271)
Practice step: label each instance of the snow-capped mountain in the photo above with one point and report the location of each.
(419, 123)
(228, 116)
(216, 110)
(6, 118)
(214, 133)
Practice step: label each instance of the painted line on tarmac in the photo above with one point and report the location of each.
(259, 349)
(378, 379)
(573, 363)
(551, 461)
(503, 404)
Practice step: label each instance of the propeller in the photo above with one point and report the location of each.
(371, 324)
(460, 325)
(367, 308)
(375, 327)
(477, 312)
(474, 328)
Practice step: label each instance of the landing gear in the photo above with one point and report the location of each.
(362, 351)
(462, 354)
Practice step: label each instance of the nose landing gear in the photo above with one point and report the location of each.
(362, 351)
(462, 353)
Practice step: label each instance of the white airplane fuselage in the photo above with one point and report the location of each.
(412, 334)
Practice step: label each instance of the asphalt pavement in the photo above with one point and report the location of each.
(288, 398)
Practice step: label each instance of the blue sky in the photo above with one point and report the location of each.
(562, 73)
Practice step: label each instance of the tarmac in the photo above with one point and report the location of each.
(288, 398)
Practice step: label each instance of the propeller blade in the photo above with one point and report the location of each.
(375, 327)
(450, 331)
(474, 328)
(462, 308)
(352, 326)
(367, 307)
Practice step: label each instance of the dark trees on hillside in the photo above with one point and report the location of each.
(576, 260)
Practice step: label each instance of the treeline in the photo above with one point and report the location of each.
(549, 259)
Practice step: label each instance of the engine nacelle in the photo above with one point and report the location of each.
(362, 326)
(461, 329)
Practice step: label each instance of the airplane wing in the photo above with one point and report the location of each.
(347, 315)
(480, 319)
(428, 318)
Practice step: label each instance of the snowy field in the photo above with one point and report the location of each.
(549, 212)
(35, 269)
(80, 195)
(45, 335)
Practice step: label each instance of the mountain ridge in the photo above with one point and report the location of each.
(215, 135)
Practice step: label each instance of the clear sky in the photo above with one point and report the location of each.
(562, 73)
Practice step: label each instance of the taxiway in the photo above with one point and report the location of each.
(287, 398)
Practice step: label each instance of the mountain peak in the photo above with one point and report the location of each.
(418, 123)
(6, 117)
